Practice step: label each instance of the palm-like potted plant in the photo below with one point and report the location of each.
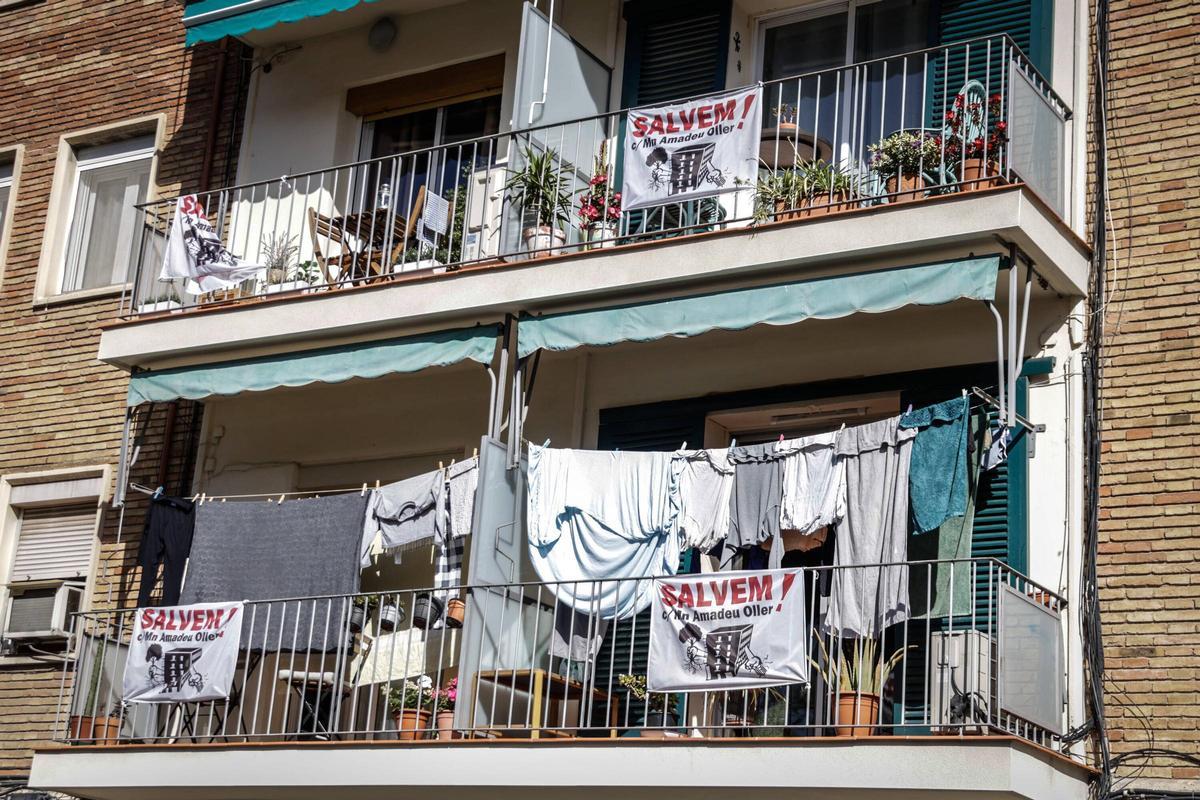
(902, 160)
(92, 725)
(411, 705)
(656, 718)
(541, 190)
(860, 676)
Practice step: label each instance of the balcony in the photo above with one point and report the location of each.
(343, 252)
(975, 675)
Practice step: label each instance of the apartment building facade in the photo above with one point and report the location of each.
(367, 343)
(102, 107)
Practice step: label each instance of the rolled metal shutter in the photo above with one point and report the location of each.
(54, 543)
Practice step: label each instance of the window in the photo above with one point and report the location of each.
(6, 182)
(49, 544)
(102, 232)
(837, 35)
(431, 127)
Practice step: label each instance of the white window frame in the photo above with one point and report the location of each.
(82, 167)
(10, 525)
(12, 157)
(52, 263)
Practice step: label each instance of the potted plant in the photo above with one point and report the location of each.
(100, 729)
(361, 609)
(599, 205)
(411, 705)
(779, 195)
(828, 188)
(860, 677)
(444, 701)
(456, 610)
(810, 189)
(427, 610)
(390, 614)
(976, 137)
(901, 159)
(278, 252)
(657, 719)
(540, 190)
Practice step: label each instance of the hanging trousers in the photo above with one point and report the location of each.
(167, 540)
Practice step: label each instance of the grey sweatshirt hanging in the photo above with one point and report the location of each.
(757, 494)
(866, 598)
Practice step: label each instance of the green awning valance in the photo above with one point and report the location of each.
(783, 304)
(210, 20)
(327, 365)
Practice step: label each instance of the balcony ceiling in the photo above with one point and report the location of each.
(900, 768)
(362, 14)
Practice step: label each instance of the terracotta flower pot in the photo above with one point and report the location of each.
(445, 726)
(857, 713)
(411, 723)
(95, 730)
(456, 609)
(782, 212)
(979, 174)
(544, 241)
(823, 204)
(905, 188)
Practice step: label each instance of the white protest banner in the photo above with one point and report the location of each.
(728, 630)
(183, 653)
(691, 150)
(195, 252)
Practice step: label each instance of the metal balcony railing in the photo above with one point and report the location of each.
(939, 121)
(981, 651)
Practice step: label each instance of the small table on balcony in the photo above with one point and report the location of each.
(544, 689)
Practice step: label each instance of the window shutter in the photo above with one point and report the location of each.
(674, 49)
(1028, 22)
(54, 543)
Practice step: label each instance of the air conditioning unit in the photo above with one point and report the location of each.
(42, 611)
(483, 220)
(960, 681)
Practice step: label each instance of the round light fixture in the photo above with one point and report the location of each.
(382, 34)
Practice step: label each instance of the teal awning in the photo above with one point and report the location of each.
(327, 365)
(782, 304)
(210, 20)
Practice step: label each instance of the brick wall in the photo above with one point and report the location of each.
(1150, 508)
(67, 65)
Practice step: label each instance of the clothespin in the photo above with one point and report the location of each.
(781, 438)
(909, 409)
(474, 452)
(732, 442)
(441, 465)
(377, 483)
(964, 392)
(203, 497)
(452, 461)
(281, 498)
(195, 497)
(363, 493)
(683, 446)
(157, 493)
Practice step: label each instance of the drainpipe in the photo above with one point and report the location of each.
(546, 69)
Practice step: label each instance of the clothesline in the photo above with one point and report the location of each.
(203, 497)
